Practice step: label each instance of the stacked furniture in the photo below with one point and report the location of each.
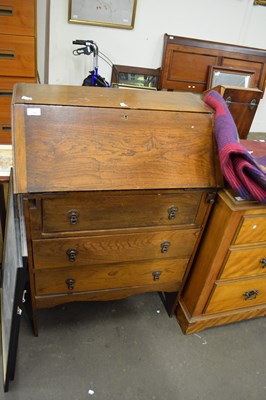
(227, 281)
(17, 53)
(116, 187)
(186, 63)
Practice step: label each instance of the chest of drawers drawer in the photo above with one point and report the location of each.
(251, 229)
(17, 17)
(16, 56)
(150, 274)
(237, 294)
(114, 248)
(90, 211)
(244, 262)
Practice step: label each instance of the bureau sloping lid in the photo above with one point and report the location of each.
(69, 138)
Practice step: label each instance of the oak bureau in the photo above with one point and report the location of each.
(116, 187)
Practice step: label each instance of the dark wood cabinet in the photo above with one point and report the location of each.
(186, 61)
(18, 55)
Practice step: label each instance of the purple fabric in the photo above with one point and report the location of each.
(244, 173)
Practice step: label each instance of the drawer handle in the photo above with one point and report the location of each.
(251, 294)
(72, 254)
(6, 11)
(7, 54)
(5, 93)
(165, 246)
(6, 128)
(172, 212)
(252, 104)
(73, 216)
(263, 261)
(156, 275)
(70, 283)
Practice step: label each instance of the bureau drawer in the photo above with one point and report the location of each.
(91, 211)
(245, 262)
(16, 55)
(237, 294)
(68, 280)
(51, 253)
(252, 229)
(17, 17)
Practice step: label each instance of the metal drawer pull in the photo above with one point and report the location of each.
(72, 254)
(263, 261)
(8, 54)
(156, 275)
(172, 212)
(6, 128)
(70, 283)
(252, 104)
(73, 216)
(6, 93)
(251, 294)
(165, 246)
(6, 11)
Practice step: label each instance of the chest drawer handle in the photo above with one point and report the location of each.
(70, 283)
(172, 212)
(165, 246)
(73, 216)
(6, 11)
(156, 275)
(251, 294)
(263, 261)
(72, 255)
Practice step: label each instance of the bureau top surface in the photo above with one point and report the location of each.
(81, 96)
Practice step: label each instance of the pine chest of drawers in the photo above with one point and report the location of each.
(117, 186)
(227, 281)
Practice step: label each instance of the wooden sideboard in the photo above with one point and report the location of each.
(117, 186)
(227, 281)
(186, 62)
(18, 55)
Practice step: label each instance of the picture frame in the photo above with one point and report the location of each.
(6, 160)
(259, 2)
(135, 77)
(109, 13)
(221, 75)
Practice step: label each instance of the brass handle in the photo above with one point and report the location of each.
(73, 216)
(156, 275)
(70, 283)
(172, 212)
(165, 246)
(263, 261)
(251, 294)
(72, 254)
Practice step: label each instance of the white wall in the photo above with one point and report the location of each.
(228, 21)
